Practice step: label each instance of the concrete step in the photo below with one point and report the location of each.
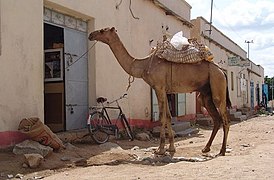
(180, 128)
(187, 132)
(200, 115)
(249, 113)
(205, 121)
(233, 114)
(236, 114)
(240, 118)
(232, 111)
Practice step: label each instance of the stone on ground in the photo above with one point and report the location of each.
(33, 160)
(32, 147)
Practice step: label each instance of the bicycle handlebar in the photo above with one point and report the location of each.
(121, 97)
(116, 100)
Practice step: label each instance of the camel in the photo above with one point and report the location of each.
(167, 77)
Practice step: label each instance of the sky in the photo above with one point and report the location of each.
(243, 20)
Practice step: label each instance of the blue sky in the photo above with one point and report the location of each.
(242, 20)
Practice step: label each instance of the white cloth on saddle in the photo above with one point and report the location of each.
(182, 50)
(189, 54)
(178, 40)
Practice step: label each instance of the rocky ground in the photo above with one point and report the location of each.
(249, 155)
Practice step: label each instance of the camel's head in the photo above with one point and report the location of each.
(106, 35)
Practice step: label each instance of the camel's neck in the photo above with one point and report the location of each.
(129, 64)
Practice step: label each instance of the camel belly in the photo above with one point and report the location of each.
(188, 78)
(185, 87)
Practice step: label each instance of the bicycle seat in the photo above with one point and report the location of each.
(101, 99)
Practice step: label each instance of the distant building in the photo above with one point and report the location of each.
(46, 71)
(245, 79)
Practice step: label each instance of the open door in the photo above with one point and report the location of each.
(181, 102)
(53, 78)
(76, 78)
(155, 106)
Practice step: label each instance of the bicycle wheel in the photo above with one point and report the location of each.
(127, 127)
(96, 121)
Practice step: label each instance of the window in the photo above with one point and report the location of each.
(54, 65)
(177, 105)
(232, 81)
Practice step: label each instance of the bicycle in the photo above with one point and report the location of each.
(99, 124)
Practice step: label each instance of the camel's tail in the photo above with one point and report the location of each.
(228, 102)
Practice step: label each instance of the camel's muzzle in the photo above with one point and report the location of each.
(90, 37)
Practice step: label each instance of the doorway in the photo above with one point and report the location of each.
(252, 95)
(66, 78)
(176, 103)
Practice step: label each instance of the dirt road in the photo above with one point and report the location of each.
(250, 156)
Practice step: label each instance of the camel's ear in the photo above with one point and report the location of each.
(113, 29)
(102, 30)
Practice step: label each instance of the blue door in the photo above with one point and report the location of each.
(76, 78)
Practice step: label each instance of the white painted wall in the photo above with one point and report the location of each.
(21, 70)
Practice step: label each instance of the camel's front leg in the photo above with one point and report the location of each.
(162, 101)
(170, 131)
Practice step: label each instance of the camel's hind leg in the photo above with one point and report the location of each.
(226, 122)
(218, 87)
(213, 112)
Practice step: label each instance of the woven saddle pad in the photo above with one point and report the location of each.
(192, 53)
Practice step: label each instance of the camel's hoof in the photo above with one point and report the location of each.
(160, 151)
(171, 150)
(206, 150)
(222, 153)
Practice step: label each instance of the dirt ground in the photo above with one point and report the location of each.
(249, 155)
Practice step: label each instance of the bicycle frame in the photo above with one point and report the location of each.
(117, 107)
(105, 112)
(109, 128)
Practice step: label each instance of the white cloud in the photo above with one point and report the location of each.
(269, 19)
(244, 14)
(261, 40)
(242, 20)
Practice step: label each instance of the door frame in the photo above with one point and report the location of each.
(63, 127)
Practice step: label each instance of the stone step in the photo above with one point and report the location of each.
(180, 126)
(240, 118)
(200, 116)
(187, 132)
(232, 111)
(233, 114)
(236, 114)
(205, 121)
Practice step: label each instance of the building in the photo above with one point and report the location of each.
(245, 79)
(45, 71)
(50, 70)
